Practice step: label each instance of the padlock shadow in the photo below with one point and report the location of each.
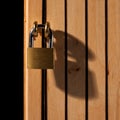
(76, 71)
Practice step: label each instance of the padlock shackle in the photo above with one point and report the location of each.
(31, 40)
(31, 37)
(51, 39)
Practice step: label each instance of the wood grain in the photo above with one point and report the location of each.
(56, 77)
(118, 103)
(114, 59)
(96, 76)
(76, 59)
(32, 78)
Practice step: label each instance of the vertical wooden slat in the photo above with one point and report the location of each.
(114, 59)
(24, 63)
(96, 74)
(76, 59)
(118, 103)
(32, 78)
(56, 77)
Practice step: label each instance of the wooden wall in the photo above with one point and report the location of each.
(93, 60)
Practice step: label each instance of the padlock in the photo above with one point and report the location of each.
(40, 58)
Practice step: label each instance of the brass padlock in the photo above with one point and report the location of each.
(40, 58)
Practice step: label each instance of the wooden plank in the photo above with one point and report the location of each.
(114, 59)
(96, 74)
(76, 59)
(32, 78)
(56, 77)
(117, 103)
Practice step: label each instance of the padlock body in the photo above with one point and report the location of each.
(40, 58)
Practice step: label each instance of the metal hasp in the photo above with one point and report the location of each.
(40, 58)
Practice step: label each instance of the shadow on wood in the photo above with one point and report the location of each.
(76, 66)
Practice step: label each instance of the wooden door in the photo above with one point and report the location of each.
(85, 83)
